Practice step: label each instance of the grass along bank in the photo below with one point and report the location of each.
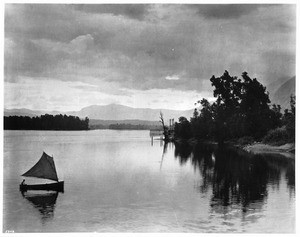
(287, 150)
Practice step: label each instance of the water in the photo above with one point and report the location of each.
(119, 181)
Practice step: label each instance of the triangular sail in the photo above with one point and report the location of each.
(44, 168)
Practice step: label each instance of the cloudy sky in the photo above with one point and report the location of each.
(66, 57)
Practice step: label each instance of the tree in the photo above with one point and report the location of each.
(276, 116)
(255, 107)
(242, 107)
(46, 122)
(183, 128)
(165, 128)
(289, 118)
(202, 124)
(228, 92)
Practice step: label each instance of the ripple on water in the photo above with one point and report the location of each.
(115, 184)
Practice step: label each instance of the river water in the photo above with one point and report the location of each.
(120, 181)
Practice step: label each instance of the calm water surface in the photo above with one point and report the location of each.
(118, 181)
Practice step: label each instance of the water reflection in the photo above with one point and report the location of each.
(290, 176)
(236, 177)
(44, 202)
(163, 154)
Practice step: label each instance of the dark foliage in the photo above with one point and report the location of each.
(277, 136)
(245, 140)
(183, 128)
(46, 122)
(241, 109)
(289, 118)
(286, 133)
(202, 124)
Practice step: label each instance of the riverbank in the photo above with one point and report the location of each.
(287, 150)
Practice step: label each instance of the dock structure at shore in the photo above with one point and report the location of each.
(156, 133)
(166, 134)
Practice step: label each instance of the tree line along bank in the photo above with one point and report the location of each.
(241, 113)
(46, 122)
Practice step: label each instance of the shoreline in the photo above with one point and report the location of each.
(287, 150)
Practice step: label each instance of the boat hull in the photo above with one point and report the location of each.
(59, 186)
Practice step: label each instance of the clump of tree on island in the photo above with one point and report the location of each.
(46, 122)
(240, 113)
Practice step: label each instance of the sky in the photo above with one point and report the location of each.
(68, 56)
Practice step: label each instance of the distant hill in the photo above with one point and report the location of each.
(282, 94)
(27, 112)
(110, 112)
(274, 85)
(121, 112)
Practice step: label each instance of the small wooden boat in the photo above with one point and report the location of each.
(45, 169)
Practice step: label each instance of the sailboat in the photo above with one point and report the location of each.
(45, 169)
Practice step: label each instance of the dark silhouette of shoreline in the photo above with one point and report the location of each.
(45, 122)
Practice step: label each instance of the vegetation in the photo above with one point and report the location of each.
(127, 126)
(46, 122)
(241, 112)
(124, 124)
(286, 133)
(245, 140)
(277, 136)
(183, 128)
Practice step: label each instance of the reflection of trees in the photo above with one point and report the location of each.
(163, 154)
(278, 162)
(204, 159)
(183, 151)
(43, 202)
(290, 175)
(235, 177)
(238, 179)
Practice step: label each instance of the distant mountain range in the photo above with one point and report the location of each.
(281, 90)
(28, 112)
(110, 112)
(121, 112)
